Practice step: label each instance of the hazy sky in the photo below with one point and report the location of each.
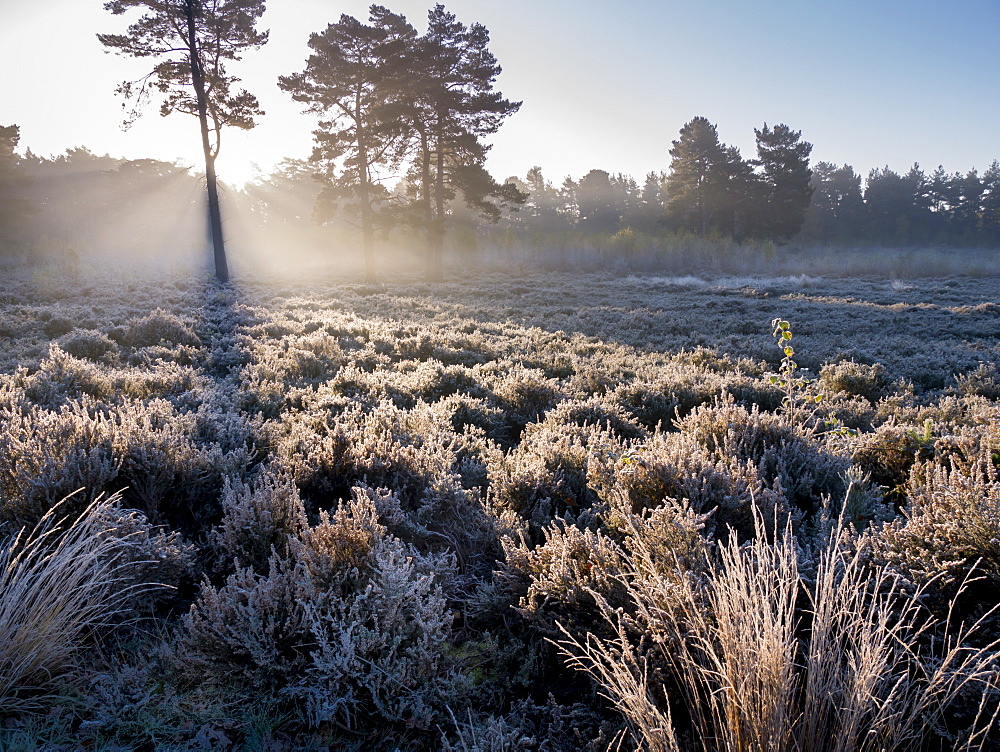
(604, 84)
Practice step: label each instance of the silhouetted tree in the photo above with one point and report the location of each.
(837, 206)
(784, 162)
(15, 206)
(190, 42)
(284, 198)
(98, 205)
(351, 79)
(967, 212)
(740, 198)
(990, 207)
(888, 205)
(453, 106)
(599, 207)
(695, 184)
(543, 203)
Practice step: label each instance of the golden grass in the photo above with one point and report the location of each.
(862, 667)
(58, 583)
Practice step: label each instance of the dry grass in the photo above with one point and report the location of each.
(862, 667)
(58, 584)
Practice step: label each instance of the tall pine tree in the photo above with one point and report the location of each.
(453, 107)
(696, 183)
(784, 162)
(15, 207)
(352, 79)
(190, 42)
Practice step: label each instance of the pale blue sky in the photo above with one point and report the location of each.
(604, 84)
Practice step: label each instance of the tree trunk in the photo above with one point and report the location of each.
(214, 213)
(433, 270)
(435, 233)
(367, 226)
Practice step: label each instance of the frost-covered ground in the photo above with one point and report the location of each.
(374, 510)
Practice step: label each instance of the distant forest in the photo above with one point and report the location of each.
(77, 203)
(399, 159)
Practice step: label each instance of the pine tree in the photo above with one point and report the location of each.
(695, 185)
(543, 202)
(190, 42)
(15, 208)
(453, 106)
(352, 79)
(837, 205)
(599, 210)
(784, 162)
(991, 203)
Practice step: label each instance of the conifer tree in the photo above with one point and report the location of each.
(990, 222)
(190, 42)
(15, 208)
(695, 185)
(353, 79)
(453, 106)
(784, 161)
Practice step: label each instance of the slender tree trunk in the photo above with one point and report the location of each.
(435, 265)
(701, 206)
(214, 213)
(428, 207)
(364, 185)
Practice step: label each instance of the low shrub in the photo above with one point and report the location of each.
(46, 457)
(89, 344)
(156, 328)
(856, 379)
(352, 628)
(259, 520)
(949, 531)
(781, 449)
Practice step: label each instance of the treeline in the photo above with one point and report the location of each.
(77, 204)
(399, 156)
(711, 190)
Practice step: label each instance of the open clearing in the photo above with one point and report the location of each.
(376, 505)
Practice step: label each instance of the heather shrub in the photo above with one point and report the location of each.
(158, 565)
(157, 328)
(463, 411)
(782, 450)
(856, 379)
(431, 381)
(889, 453)
(259, 519)
(949, 530)
(598, 412)
(414, 454)
(61, 377)
(557, 577)
(293, 361)
(57, 326)
(134, 703)
(89, 344)
(352, 628)
(525, 395)
(546, 473)
(164, 470)
(984, 382)
(552, 727)
(47, 456)
(657, 403)
(728, 490)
